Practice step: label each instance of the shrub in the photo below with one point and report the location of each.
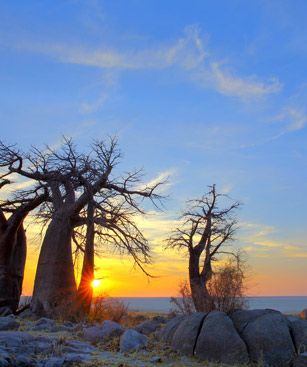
(226, 289)
(183, 303)
(227, 286)
(106, 308)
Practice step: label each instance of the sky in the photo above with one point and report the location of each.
(199, 92)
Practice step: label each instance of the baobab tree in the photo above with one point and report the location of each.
(204, 233)
(110, 220)
(74, 181)
(13, 244)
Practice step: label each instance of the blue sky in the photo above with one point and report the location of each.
(202, 92)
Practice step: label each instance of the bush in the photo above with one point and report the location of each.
(183, 303)
(227, 286)
(226, 289)
(106, 308)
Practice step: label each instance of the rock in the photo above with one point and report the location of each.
(303, 314)
(62, 328)
(301, 360)
(76, 346)
(23, 360)
(5, 311)
(76, 358)
(242, 318)
(54, 362)
(184, 339)
(131, 340)
(168, 331)
(8, 323)
(5, 359)
(267, 336)
(299, 332)
(15, 338)
(219, 341)
(148, 327)
(42, 344)
(99, 332)
(44, 324)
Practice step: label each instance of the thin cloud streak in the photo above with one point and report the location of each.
(188, 53)
(295, 117)
(230, 85)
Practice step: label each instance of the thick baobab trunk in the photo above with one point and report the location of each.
(13, 250)
(55, 286)
(199, 291)
(17, 266)
(85, 290)
(12, 263)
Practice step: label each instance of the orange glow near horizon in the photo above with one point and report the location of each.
(120, 279)
(271, 275)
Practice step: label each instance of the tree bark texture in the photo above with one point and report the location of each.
(85, 290)
(55, 287)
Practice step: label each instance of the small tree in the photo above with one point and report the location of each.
(205, 232)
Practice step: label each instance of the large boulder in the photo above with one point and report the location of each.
(267, 336)
(99, 333)
(185, 337)
(168, 331)
(219, 341)
(131, 340)
(242, 318)
(299, 332)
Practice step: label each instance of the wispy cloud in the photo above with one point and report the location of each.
(229, 84)
(108, 85)
(260, 240)
(164, 177)
(256, 230)
(294, 118)
(189, 53)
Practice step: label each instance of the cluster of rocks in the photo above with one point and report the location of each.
(44, 343)
(258, 336)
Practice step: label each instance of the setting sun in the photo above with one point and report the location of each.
(95, 283)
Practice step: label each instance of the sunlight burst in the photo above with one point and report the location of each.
(95, 283)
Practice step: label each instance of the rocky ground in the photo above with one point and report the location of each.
(28, 341)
